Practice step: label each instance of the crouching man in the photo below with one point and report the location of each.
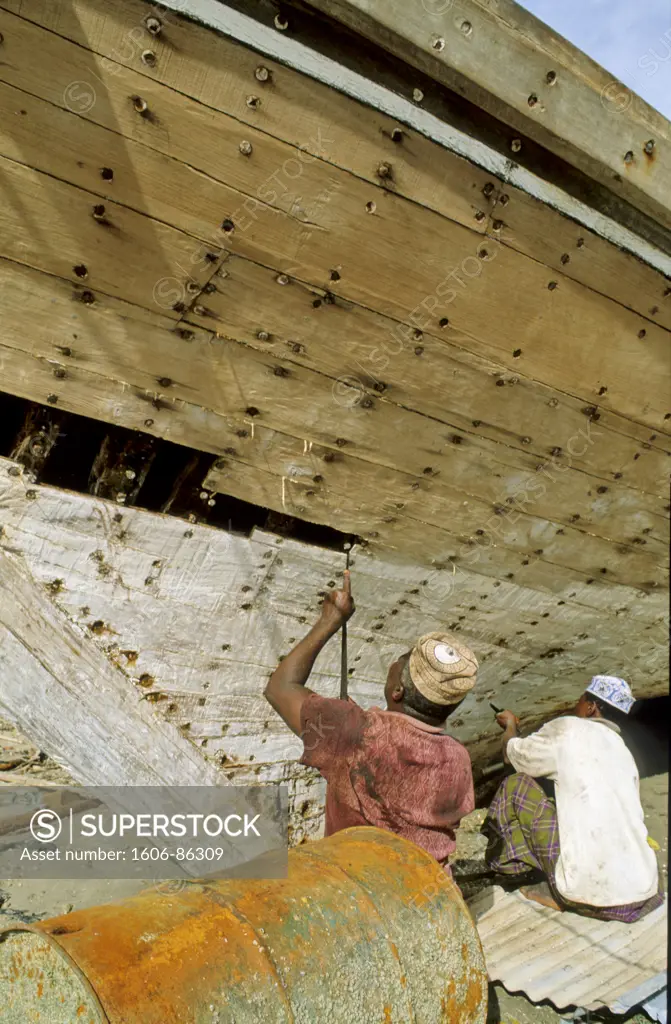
(393, 768)
(590, 841)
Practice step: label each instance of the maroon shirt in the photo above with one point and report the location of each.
(388, 770)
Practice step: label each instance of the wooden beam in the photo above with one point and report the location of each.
(187, 497)
(68, 699)
(121, 466)
(39, 433)
(515, 67)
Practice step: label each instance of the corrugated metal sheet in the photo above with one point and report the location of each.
(568, 959)
(651, 997)
(657, 1007)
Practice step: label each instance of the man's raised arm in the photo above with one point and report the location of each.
(286, 689)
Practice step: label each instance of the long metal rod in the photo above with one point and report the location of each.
(343, 641)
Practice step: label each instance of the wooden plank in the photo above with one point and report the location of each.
(358, 137)
(64, 695)
(501, 301)
(418, 541)
(114, 562)
(287, 108)
(366, 353)
(528, 549)
(244, 715)
(581, 113)
(99, 247)
(226, 378)
(429, 300)
(562, 244)
(48, 142)
(209, 137)
(209, 656)
(343, 474)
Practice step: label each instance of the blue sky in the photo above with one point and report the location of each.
(630, 38)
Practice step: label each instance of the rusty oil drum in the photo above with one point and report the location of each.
(367, 929)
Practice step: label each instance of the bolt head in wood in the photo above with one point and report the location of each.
(139, 104)
(417, 95)
(282, 279)
(253, 102)
(281, 24)
(262, 74)
(438, 43)
(516, 145)
(153, 25)
(384, 170)
(245, 148)
(149, 58)
(649, 147)
(466, 28)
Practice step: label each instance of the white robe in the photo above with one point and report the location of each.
(605, 859)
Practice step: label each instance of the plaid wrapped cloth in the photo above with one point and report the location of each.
(523, 837)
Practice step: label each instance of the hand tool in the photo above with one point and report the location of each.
(343, 647)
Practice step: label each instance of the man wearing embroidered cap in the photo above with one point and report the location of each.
(394, 768)
(590, 846)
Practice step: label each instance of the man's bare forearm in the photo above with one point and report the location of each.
(510, 734)
(295, 669)
(286, 691)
